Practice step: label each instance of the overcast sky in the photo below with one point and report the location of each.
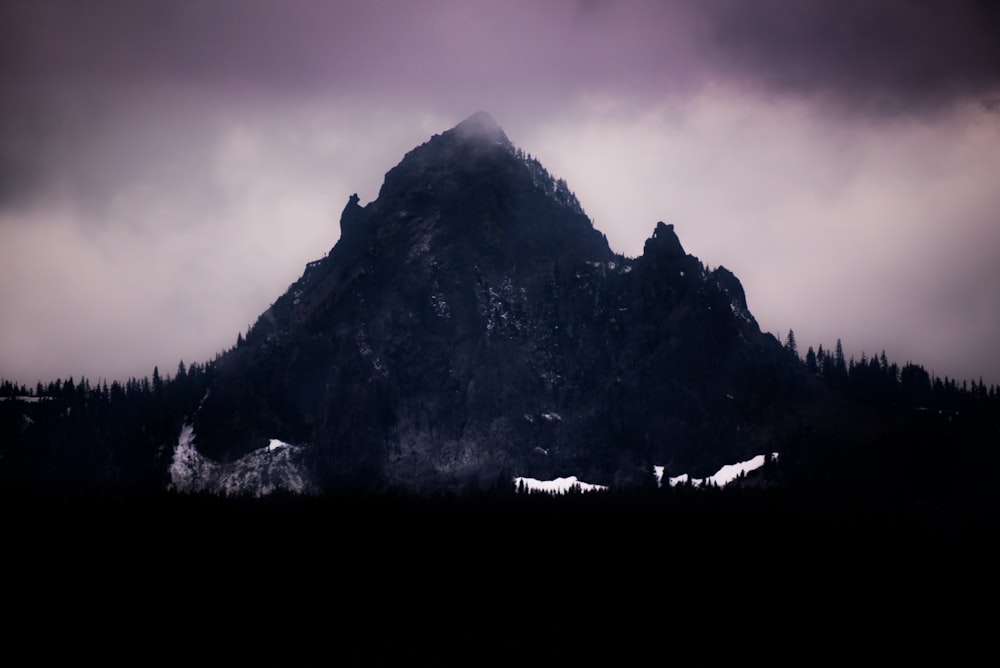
(167, 167)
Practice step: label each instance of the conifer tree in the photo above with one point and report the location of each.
(811, 363)
(790, 344)
(838, 359)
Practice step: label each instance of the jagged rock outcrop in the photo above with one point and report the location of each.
(278, 466)
(471, 324)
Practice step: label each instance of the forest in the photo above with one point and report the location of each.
(913, 440)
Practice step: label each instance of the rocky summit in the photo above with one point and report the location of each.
(471, 325)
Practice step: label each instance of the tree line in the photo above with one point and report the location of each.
(876, 379)
(67, 434)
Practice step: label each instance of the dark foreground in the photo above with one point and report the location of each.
(496, 578)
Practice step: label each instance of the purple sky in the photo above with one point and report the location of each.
(167, 168)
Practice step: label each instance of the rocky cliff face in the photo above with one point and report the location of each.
(471, 325)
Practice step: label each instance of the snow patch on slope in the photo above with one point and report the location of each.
(557, 486)
(720, 478)
(259, 473)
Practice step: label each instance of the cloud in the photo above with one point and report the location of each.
(74, 72)
(167, 168)
(869, 56)
(886, 54)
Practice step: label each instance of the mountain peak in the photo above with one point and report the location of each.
(473, 168)
(480, 125)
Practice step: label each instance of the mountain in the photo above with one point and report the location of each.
(470, 329)
(471, 325)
